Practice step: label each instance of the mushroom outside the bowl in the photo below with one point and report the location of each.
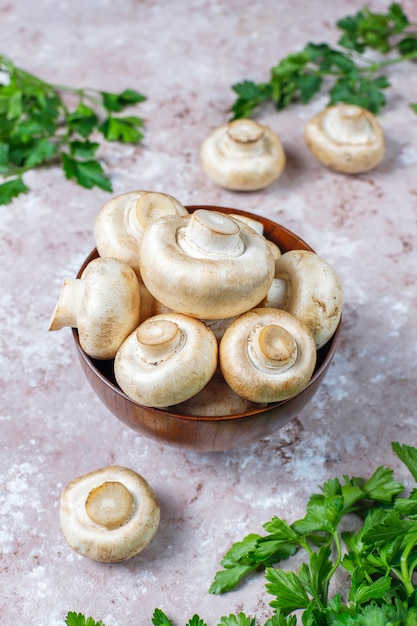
(109, 515)
(346, 138)
(243, 155)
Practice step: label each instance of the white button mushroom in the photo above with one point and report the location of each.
(216, 399)
(267, 355)
(346, 138)
(242, 155)
(206, 265)
(103, 304)
(167, 360)
(120, 223)
(109, 515)
(308, 287)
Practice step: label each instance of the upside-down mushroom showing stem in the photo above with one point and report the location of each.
(242, 155)
(167, 360)
(346, 138)
(267, 355)
(206, 265)
(109, 515)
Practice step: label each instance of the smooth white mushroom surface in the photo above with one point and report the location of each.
(103, 304)
(346, 138)
(120, 223)
(216, 399)
(267, 355)
(307, 286)
(167, 360)
(109, 515)
(206, 265)
(242, 155)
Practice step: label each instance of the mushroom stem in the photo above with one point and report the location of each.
(110, 505)
(272, 347)
(68, 305)
(210, 233)
(159, 339)
(349, 124)
(243, 136)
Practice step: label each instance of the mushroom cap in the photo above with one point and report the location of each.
(313, 292)
(103, 304)
(120, 223)
(242, 155)
(167, 360)
(206, 265)
(267, 355)
(215, 399)
(346, 138)
(97, 538)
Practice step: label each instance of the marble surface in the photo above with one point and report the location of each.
(185, 56)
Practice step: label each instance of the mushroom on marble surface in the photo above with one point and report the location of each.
(242, 155)
(308, 287)
(103, 304)
(346, 138)
(120, 223)
(109, 515)
(267, 355)
(168, 359)
(206, 265)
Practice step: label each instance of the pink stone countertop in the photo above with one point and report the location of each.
(185, 55)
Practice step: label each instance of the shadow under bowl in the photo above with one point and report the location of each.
(210, 433)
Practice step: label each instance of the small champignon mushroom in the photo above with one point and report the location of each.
(109, 515)
(267, 355)
(103, 304)
(206, 265)
(166, 360)
(215, 399)
(346, 138)
(120, 223)
(242, 155)
(308, 287)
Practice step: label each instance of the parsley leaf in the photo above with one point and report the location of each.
(38, 128)
(352, 77)
(78, 619)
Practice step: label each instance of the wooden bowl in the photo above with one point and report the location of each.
(206, 433)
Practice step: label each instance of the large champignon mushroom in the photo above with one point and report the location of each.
(109, 515)
(242, 155)
(206, 265)
(120, 223)
(308, 287)
(267, 355)
(346, 138)
(103, 304)
(166, 360)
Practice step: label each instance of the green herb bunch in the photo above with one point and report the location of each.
(379, 557)
(38, 128)
(353, 77)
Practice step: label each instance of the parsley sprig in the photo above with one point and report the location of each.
(379, 557)
(352, 77)
(39, 127)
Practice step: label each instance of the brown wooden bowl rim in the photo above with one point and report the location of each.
(329, 348)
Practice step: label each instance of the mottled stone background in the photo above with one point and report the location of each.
(185, 55)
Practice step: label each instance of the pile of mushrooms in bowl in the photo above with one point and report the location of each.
(202, 327)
